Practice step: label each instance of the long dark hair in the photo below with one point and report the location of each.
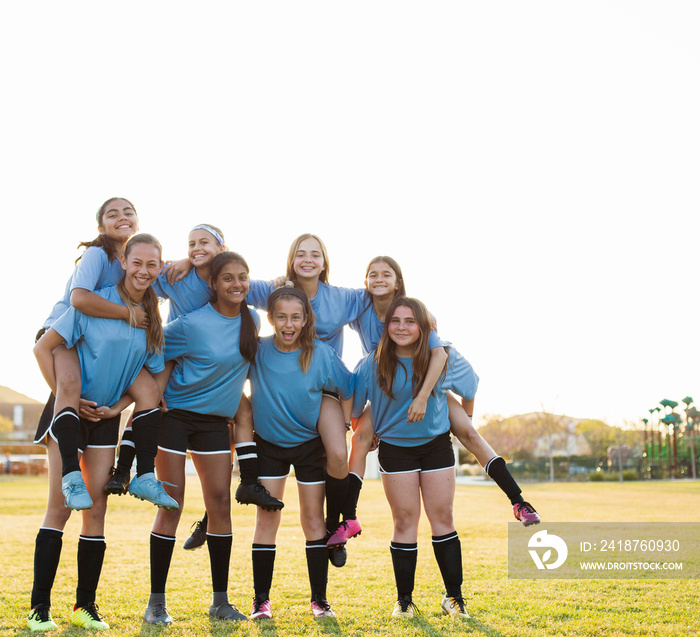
(154, 331)
(102, 240)
(308, 332)
(248, 341)
(386, 357)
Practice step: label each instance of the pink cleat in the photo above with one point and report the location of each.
(526, 513)
(346, 530)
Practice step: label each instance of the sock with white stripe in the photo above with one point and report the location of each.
(448, 553)
(317, 564)
(161, 554)
(404, 558)
(145, 425)
(91, 555)
(66, 429)
(219, 559)
(248, 462)
(354, 488)
(47, 554)
(498, 472)
(263, 568)
(127, 451)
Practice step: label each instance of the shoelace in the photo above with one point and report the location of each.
(258, 605)
(322, 603)
(159, 610)
(42, 612)
(92, 610)
(405, 604)
(458, 602)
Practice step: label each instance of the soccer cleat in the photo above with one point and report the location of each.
(88, 617)
(257, 494)
(262, 609)
(405, 607)
(40, 618)
(338, 555)
(76, 493)
(226, 611)
(199, 535)
(321, 608)
(454, 606)
(148, 488)
(526, 513)
(118, 484)
(157, 614)
(346, 529)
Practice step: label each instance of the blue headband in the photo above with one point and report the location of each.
(203, 226)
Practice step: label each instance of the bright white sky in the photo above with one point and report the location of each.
(532, 166)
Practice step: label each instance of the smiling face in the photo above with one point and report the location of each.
(231, 288)
(308, 260)
(142, 267)
(381, 281)
(403, 330)
(287, 319)
(202, 248)
(119, 221)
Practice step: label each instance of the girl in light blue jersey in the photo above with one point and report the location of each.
(212, 348)
(111, 355)
(384, 281)
(416, 459)
(334, 307)
(292, 371)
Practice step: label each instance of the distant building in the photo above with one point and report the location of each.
(21, 410)
(564, 443)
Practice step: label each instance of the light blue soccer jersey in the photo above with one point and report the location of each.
(111, 352)
(210, 371)
(370, 329)
(93, 272)
(333, 307)
(286, 401)
(390, 415)
(186, 295)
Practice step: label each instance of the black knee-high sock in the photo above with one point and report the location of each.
(145, 425)
(248, 462)
(354, 488)
(448, 553)
(66, 428)
(404, 558)
(47, 554)
(498, 471)
(161, 554)
(336, 495)
(91, 555)
(127, 451)
(263, 568)
(317, 563)
(219, 560)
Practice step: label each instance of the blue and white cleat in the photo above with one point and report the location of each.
(148, 487)
(76, 493)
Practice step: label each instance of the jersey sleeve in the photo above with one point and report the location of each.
(71, 326)
(158, 286)
(175, 339)
(356, 302)
(435, 341)
(88, 270)
(155, 362)
(460, 376)
(360, 396)
(340, 379)
(258, 293)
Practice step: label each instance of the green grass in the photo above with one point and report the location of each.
(362, 593)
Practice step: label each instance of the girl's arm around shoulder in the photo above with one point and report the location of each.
(339, 378)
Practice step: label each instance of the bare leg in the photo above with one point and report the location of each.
(462, 427)
(331, 427)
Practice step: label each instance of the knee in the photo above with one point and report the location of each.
(68, 381)
(404, 522)
(145, 392)
(337, 463)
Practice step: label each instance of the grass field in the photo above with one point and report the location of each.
(362, 593)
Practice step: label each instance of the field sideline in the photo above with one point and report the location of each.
(362, 593)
